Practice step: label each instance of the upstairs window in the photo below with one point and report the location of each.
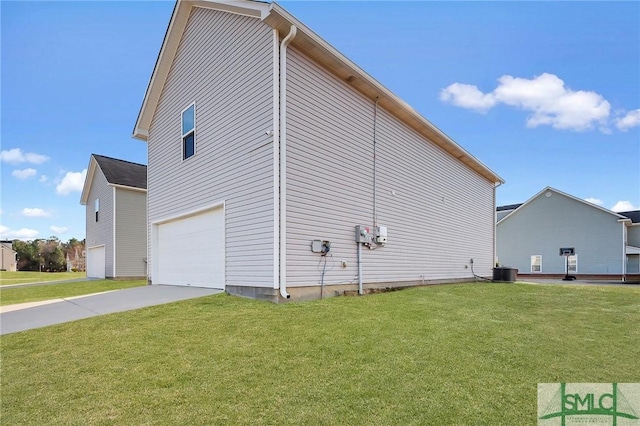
(536, 263)
(97, 207)
(189, 132)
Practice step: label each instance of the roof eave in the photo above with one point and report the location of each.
(341, 66)
(314, 46)
(93, 164)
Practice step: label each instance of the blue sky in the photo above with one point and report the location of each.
(544, 93)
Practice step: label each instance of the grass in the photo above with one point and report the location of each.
(457, 354)
(23, 277)
(10, 296)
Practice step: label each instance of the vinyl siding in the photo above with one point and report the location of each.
(101, 232)
(546, 224)
(633, 235)
(131, 233)
(633, 239)
(224, 64)
(500, 215)
(439, 213)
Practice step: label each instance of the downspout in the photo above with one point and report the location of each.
(495, 225)
(624, 251)
(283, 161)
(276, 159)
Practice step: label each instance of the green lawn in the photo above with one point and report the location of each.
(10, 296)
(22, 277)
(455, 354)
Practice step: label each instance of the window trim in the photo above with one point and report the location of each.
(532, 263)
(96, 208)
(190, 132)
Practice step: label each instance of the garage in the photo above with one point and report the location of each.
(189, 250)
(95, 262)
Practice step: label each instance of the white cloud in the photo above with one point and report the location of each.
(71, 182)
(631, 119)
(467, 96)
(43, 179)
(24, 174)
(545, 96)
(624, 206)
(21, 234)
(59, 229)
(15, 156)
(596, 201)
(35, 212)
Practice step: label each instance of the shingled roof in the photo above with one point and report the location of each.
(509, 207)
(633, 215)
(120, 172)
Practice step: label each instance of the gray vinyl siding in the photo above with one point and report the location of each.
(633, 235)
(224, 64)
(439, 213)
(545, 224)
(131, 233)
(101, 232)
(500, 215)
(633, 239)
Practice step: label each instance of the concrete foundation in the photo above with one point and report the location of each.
(302, 293)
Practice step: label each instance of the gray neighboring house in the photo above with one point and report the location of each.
(530, 235)
(9, 259)
(263, 138)
(115, 196)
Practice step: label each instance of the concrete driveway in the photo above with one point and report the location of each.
(27, 316)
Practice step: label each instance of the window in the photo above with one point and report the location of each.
(189, 132)
(97, 207)
(536, 263)
(572, 264)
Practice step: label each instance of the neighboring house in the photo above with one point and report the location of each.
(530, 236)
(76, 260)
(263, 138)
(633, 242)
(9, 260)
(502, 211)
(115, 193)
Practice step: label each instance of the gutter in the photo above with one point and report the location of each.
(283, 161)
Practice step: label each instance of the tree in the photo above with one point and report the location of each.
(27, 255)
(49, 255)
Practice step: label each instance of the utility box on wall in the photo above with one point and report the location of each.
(380, 233)
(363, 234)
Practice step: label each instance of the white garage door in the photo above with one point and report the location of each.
(190, 251)
(95, 262)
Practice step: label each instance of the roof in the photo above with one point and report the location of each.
(318, 50)
(121, 172)
(620, 216)
(509, 207)
(633, 215)
(117, 172)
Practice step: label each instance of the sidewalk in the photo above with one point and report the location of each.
(27, 316)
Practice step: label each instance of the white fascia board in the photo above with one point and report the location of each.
(88, 180)
(128, 188)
